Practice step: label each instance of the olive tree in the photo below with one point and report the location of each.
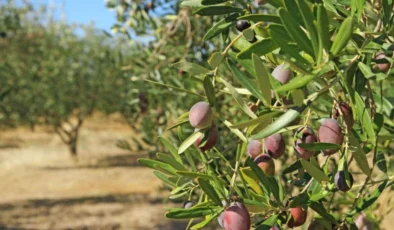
(309, 90)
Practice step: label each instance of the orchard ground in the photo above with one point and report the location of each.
(42, 187)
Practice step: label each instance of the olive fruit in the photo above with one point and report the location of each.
(347, 113)
(340, 181)
(200, 115)
(304, 135)
(220, 217)
(255, 148)
(384, 67)
(236, 217)
(330, 132)
(282, 73)
(210, 141)
(188, 204)
(265, 163)
(297, 218)
(275, 227)
(242, 25)
(274, 145)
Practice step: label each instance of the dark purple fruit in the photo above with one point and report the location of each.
(347, 113)
(298, 217)
(315, 225)
(200, 115)
(210, 141)
(384, 67)
(255, 148)
(242, 25)
(236, 217)
(282, 73)
(305, 135)
(340, 181)
(330, 132)
(274, 145)
(266, 164)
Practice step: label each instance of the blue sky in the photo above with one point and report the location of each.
(83, 11)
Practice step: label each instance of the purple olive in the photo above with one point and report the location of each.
(242, 25)
(347, 113)
(340, 181)
(330, 132)
(274, 145)
(236, 217)
(266, 164)
(211, 140)
(305, 135)
(298, 217)
(282, 73)
(255, 148)
(384, 67)
(200, 115)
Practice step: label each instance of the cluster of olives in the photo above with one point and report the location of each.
(236, 216)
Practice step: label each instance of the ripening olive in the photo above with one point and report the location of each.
(304, 135)
(330, 132)
(298, 217)
(200, 115)
(384, 67)
(340, 181)
(242, 25)
(210, 141)
(236, 217)
(347, 113)
(265, 163)
(255, 148)
(282, 73)
(274, 145)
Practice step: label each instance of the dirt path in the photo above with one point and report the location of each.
(42, 187)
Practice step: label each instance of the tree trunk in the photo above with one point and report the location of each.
(73, 147)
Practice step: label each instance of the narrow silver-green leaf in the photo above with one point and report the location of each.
(263, 80)
(359, 155)
(191, 68)
(315, 172)
(215, 59)
(259, 48)
(170, 147)
(171, 161)
(189, 141)
(256, 121)
(323, 27)
(343, 36)
(209, 90)
(364, 118)
(261, 18)
(235, 131)
(210, 191)
(181, 213)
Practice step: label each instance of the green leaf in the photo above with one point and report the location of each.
(323, 27)
(343, 36)
(170, 147)
(259, 48)
(193, 212)
(191, 68)
(308, 17)
(191, 3)
(189, 141)
(268, 223)
(235, 131)
(171, 161)
(261, 119)
(212, 2)
(248, 34)
(194, 175)
(210, 191)
(176, 88)
(217, 10)
(364, 118)
(279, 123)
(319, 208)
(239, 99)
(293, 167)
(359, 155)
(209, 90)
(261, 18)
(164, 178)
(315, 172)
(357, 5)
(368, 201)
(220, 27)
(166, 168)
(296, 83)
(381, 162)
(259, 174)
(251, 179)
(208, 219)
(215, 59)
(318, 146)
(366, 70)
(295, 31)
(263, 80)
(244, 80)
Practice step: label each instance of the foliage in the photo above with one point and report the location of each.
(331, 46)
